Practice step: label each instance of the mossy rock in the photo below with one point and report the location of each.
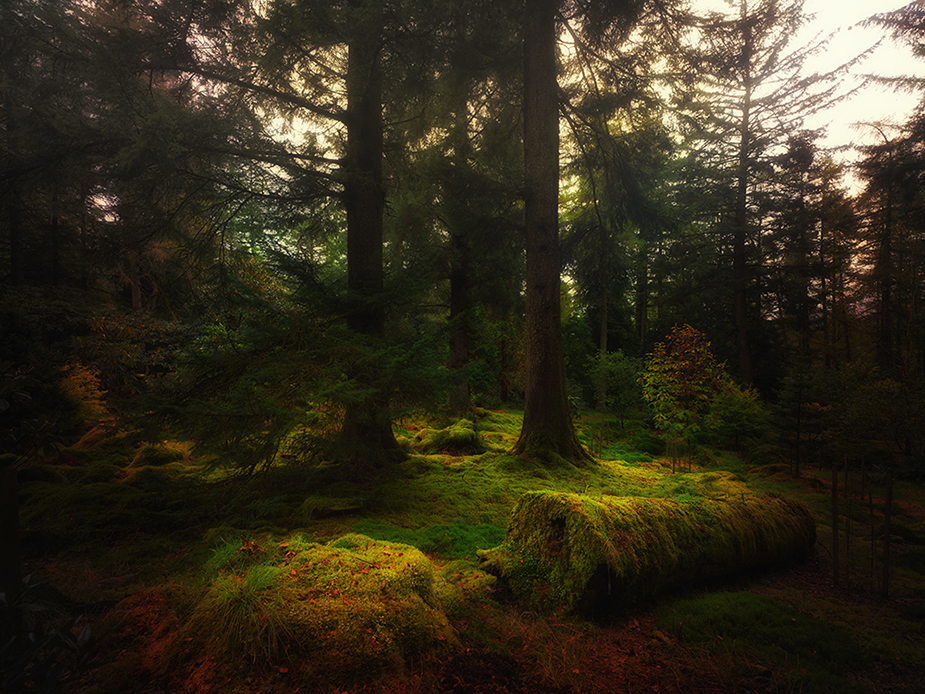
(459, 439)
(335, 612)
(568, 552)
(154, 454)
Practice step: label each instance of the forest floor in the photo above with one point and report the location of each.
(125, 543)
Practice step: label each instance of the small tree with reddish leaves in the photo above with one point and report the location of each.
(679, 383)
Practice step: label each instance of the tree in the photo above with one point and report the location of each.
(619, 176)
(547, 427)
(757, 95)
(366, 434)
(680, 381)
(456, 177)
(322, 69)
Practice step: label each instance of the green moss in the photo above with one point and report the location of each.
(566, 552)
(326, 611)
(152, 454)
(499, 430)
(455, 540)
(459, 586)
(816, 654)
(459, 439)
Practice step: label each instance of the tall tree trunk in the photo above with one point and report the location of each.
(10, 560)
(825, 301)
(14, 230)
(740, 231)
(547, 429)
(885, 357)
(366, 434)
(803, 278)
(459, 319)
(460, 308)
(602, 352)
(642, 293)
(134, 278)
(13, 203)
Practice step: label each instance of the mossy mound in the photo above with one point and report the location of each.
(332, 612)
(499, 430)
(153, 454)
(459, 439)
(568, 552)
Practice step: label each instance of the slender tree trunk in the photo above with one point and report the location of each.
(547, 429)
(847, 528)
(887, 516)
(825, 301)
(13, 203)
(885, 356)
(803, 272)
(10, 559)
(642, 294)
(740, 231)
(366, 434)
(602, 351)
(835, 541)
(459, 320)
(14, 236)
(460, 309)
(134, 278)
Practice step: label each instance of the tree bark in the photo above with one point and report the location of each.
(366, 435)
(459, 320)
(547, 428)
(642, 293)
(460, 261)
(885, 357)
(602, 351)
(12, 203)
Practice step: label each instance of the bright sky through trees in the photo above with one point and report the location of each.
(873, 103)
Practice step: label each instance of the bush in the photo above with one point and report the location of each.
(738, 413)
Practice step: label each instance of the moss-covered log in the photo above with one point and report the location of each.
(568, 552)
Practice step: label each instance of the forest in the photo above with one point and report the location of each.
(476, 346)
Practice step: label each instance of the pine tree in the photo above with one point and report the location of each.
(756, 96)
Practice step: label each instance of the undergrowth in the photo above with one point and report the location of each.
(814, 655)
(118, 511)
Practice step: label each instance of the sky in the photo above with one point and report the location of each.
(890, 59)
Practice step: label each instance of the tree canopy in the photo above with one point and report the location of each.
(454, 203)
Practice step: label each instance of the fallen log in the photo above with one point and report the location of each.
(572, 553)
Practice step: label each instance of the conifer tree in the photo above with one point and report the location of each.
(757, 95)
(547, 430)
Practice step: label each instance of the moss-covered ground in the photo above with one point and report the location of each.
(305, 579)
